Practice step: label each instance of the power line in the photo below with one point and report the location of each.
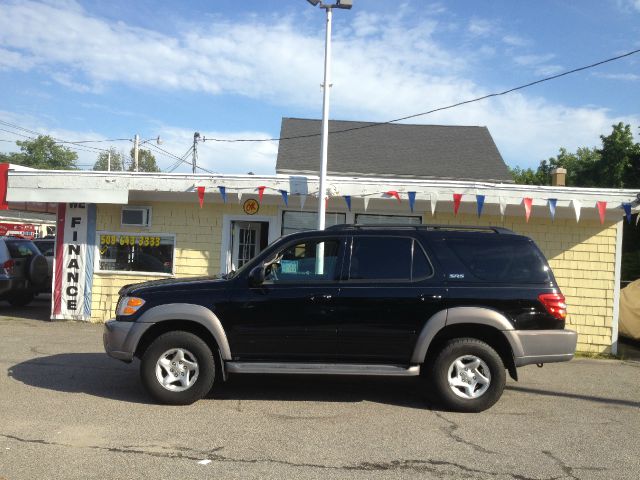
(439, 109)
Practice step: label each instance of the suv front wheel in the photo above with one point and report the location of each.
(468, 375)
(178, 368)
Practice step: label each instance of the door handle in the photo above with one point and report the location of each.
(430, 298)
(320, 298)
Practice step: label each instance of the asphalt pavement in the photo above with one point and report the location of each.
(71, 412)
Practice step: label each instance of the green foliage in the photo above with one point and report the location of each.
(146, 161)
(615, 165)
(117, 161)
(42, 153)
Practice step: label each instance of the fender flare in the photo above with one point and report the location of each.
(458, 315)
(194, 313)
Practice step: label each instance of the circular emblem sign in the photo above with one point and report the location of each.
(251, 206)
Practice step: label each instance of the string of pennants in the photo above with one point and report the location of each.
(527, 202)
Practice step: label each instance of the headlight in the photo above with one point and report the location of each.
(128, 306)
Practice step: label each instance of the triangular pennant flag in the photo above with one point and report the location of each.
(260, 192)
(200, 195)
(303, 198)
(503, 205)
(434, 202)
(4, 181)
(528, 202)
(347, 200)
(602, 210)
(412, 200)
(223, 193)
(285, 197)
(480, 202)
(576, 208)
(457, 198)
(552, 207)
(393, 193)
(366, 203)
(239, 197)
(627, 211)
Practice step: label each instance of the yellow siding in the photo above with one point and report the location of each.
(582, 256)
(197, 250)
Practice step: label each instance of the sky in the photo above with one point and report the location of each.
(101, 71)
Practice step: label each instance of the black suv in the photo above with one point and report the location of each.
(459, 304)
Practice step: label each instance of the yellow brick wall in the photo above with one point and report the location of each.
(582, 256)
(197, 250)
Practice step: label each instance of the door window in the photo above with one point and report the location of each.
(307, 261)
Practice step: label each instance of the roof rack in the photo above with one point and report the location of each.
(356, 226)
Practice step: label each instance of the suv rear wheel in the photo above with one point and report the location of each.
(468, 375)
(178, 368)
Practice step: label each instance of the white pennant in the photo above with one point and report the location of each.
(366, 203)
(303, 198)
(576, 207)
(434, 202)
(503, 205)
(637, 219)
(239, 197)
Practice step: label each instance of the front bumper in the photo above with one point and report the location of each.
(542, 346)
(121, 339)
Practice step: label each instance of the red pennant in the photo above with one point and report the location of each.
(602, 210)
(528, 203)
(201, 195)
(261, 192)
(457, 198)
(393, 193)
(4, 182)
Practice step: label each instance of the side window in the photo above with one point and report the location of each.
(307, 261)
(381, 258)
(421, 266)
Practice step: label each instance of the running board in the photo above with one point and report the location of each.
(322, 369)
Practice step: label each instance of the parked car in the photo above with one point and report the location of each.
(458, 304)
(23, 270)
(47, 248)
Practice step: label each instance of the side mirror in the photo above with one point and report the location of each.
(256, 276)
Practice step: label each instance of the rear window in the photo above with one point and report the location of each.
(21, 248)
(495, 258)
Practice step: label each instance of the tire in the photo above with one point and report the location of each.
(467, 375)
(192, 363)
(20, 299)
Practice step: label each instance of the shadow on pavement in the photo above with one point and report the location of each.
(577, 396)
(38, 309)
(98, 375)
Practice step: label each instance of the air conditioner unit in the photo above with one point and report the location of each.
(136, 216)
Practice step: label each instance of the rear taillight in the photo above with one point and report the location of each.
(555, 304)
(8, 266)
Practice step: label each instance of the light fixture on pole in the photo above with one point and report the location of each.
(343, 4)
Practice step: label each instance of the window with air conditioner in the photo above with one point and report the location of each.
(136, 216)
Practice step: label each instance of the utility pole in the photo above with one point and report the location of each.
(136, 145)
(194, 161)
(109, 161)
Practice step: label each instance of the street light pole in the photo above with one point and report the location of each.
(322, 189)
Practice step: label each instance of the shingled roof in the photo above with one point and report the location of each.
(392, 150)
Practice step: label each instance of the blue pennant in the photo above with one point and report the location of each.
(552, 207)
(285, 197)
(223, 193)
(412, 200)
(347, 200)
(480, 202)
(627, 211)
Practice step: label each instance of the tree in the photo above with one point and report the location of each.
(146, 162)
(117, 161)
(615, 165)
(42, 153)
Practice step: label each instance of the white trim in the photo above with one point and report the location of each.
(616, 288)
(96, 257)
(225, 247)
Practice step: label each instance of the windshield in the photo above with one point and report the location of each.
(266, 253)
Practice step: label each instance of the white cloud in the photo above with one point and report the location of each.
(378, 74)
(627, 5)
(516, 41)
(627, 77)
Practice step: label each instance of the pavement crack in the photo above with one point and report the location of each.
(440, 468)
(450, 430)
(567, 469)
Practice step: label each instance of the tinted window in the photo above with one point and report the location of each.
(421, 266)
(305, 262)
(45, 246)
(380, 258)
(301, 221)
(21, 248)
(501, 259)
